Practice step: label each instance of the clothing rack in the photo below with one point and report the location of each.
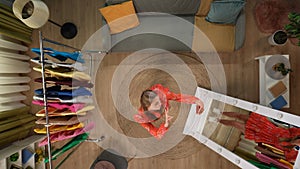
(45, 98)
(47, 125)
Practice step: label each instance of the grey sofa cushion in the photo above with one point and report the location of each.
(187, 7)
(240, 28)
(156, 31)
(113, 2)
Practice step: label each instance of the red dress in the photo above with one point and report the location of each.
(164, 95)
(262, 130)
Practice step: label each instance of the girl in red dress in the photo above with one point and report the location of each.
(155, 104)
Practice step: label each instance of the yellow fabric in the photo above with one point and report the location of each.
(204, 8)
(274, 149)
(221, 37)
(291, 166)
(120, 17)
(56, 128)
(56, 72)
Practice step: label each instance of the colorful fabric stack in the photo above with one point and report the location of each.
(11, 26)
(68, 96)
(267, 155)
(15, 124)
(15, 120)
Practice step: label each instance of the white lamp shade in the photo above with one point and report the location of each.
(39, 16)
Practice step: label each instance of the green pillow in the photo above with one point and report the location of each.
(225, 12)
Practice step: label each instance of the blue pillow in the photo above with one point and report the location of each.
(225, 12)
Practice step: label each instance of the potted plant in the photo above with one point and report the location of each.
(278, 38)
(293, 28)
(280, 67)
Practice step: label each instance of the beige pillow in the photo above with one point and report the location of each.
(204, 7)
(120, 17)
(222, 37)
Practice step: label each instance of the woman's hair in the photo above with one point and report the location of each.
(147, 98)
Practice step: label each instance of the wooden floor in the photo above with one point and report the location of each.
(240, 67)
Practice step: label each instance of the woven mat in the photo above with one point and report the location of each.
(141, 82)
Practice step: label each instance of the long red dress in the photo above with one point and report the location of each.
(164, 95)
(262, 130)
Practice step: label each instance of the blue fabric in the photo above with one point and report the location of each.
(55, 91)
(26, 155)
(55, 97)
(62, 56)
(278, 103)
(225, 12)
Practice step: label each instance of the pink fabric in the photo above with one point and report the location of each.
(67, 134)
(265, 159)
(74, 107)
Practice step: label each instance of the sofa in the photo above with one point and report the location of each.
(172, 25)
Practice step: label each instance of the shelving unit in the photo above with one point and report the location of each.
(18, 146)
(266, 82)
(195, 124)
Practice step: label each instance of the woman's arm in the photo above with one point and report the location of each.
(189, 99)
(168, 118)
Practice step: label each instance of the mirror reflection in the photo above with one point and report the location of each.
(263, 141)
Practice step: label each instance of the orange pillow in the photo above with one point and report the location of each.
(120, 17)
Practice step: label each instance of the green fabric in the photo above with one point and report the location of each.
(8, 25)
(16, 121)
(15, 35)
(14, 138)
(14, 112)
(15, 134)
(16, 131)
(12, 27)
(246, 154)
(14, 118)
(262, 166)
(225, 12)
(15, 22)
(6, 10)
(74, 142)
